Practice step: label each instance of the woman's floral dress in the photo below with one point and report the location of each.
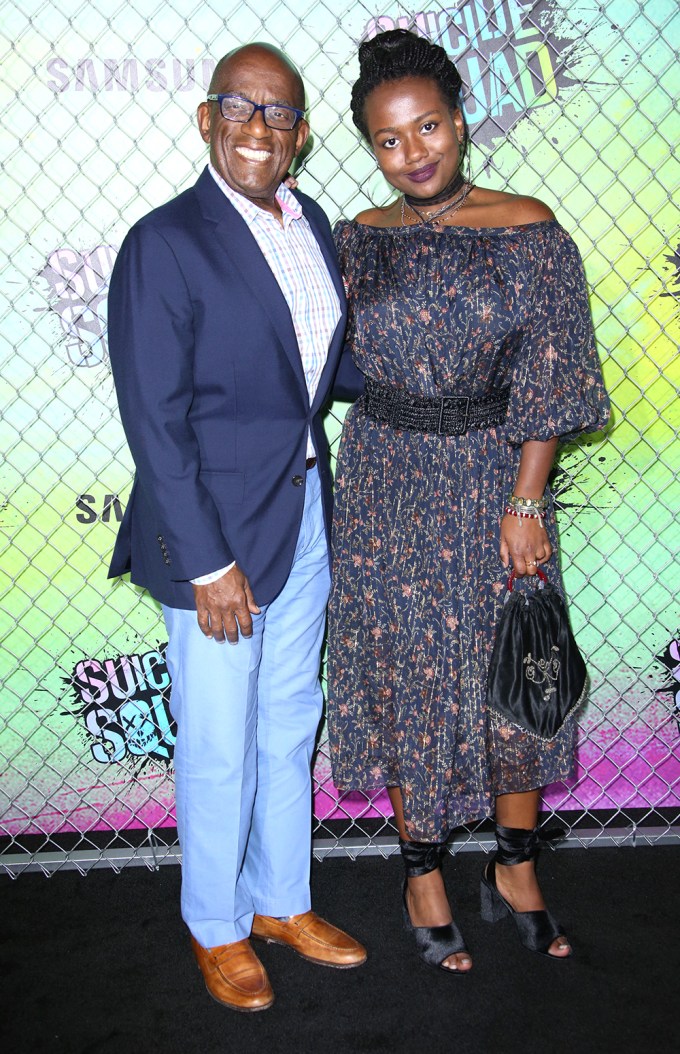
(417, 580)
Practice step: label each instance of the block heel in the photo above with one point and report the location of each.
(536, 929)
(493, 907)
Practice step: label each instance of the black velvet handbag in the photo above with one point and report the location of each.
(537, 675)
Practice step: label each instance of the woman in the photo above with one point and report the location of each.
(457, 291)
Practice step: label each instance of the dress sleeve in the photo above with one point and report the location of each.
(349, 381)
(341, 235)
(557, 386)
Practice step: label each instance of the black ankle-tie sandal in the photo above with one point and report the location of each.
(537, 929)
(434, 944)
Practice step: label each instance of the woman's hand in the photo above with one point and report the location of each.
(525, 543)
(523, 540)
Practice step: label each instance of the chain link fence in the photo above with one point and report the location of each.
(569, 100)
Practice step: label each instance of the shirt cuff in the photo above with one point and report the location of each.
(205, 580)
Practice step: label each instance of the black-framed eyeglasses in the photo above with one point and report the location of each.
(236, 108)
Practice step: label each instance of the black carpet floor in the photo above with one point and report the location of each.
(102, 964)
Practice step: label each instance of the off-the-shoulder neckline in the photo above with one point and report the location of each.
(456, 229)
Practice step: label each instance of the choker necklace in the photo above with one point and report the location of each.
(449, 190)
(451, 207)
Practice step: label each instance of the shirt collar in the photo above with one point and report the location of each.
(251, 213)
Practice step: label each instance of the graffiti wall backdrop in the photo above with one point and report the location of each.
(569, 100)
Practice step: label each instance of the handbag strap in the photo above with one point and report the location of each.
(540, 574)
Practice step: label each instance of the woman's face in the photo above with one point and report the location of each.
(416, 137)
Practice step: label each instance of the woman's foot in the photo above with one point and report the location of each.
(519, 886)
(428, 905)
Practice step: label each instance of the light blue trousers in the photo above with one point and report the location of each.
(247, 717)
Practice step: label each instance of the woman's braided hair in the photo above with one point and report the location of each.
(396, 54)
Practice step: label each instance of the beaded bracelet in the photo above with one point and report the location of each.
(540, 504)
(522, 514)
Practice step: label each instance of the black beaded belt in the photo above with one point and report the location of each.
(447, 415)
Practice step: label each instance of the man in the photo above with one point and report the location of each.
(226, 315)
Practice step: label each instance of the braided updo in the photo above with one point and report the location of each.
(396, 54)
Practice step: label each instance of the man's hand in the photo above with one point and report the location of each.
(224, 607)
(524, 542)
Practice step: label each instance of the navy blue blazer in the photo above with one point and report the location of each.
(213, 398)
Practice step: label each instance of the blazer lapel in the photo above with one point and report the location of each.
(233, 234)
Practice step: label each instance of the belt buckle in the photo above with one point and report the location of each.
(444, 405)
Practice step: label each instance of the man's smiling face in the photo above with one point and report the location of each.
(253, 158)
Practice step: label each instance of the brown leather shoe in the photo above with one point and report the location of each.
(234, 975)
(313, 938)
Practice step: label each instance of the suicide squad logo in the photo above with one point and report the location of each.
(511, 56)
(78, 286)
(123, 706)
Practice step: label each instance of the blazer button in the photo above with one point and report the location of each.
(297, 481)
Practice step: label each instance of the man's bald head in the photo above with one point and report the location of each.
(229, 63)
